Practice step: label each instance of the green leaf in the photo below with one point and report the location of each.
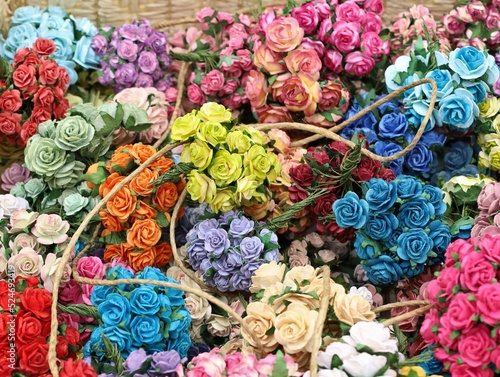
(138, 127)
(5, 68)
(280, 368)
(98, 177)
(114, 238)
(80, 309)
(161, 219)
(272, 79)
(328, 115)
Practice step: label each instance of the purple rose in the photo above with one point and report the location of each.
(134, 360)
(99, 44)
(144, 81)
(157, 41)
(107, 76)
(143, 32)
(241, 226)
(164, 362)
(114, 61)
(216, 241)
(126, 75)
(205, 265)
(157, 74)
(147, 62)
(226, 217)
(165, 60)
(222, 282)
(274, 237)
(163, 85)
(13, 174)
(251, 248)
(228, 264)
(239, 282)
(206, 225)
(128, 31)
(127, 50)
(249, 269)
(196, 253)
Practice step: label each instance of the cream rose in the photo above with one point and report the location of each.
(21, 219)
(219, 326)
(3, 263)
(294, 329)
(267, 275)
(27, 263)
(275, 289)
(352, 308)
(298, 274)
(199, 308)
(49, 269)
(260, 319)
(316, 285)
(280, 304)
(50, 229)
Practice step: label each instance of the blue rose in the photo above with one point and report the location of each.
(432, 138)
(382, 270)
(380, 227)
(478, 89)
(350, 211)
(241, 226)
(24, 15)
(100, 294)
(180, 344)
(417, 110)
(115, 311)
(57, 11)
(468, 170)
(432, 366)
(70, 68)
(408, 187)
(414, 245)
(459, 155)
(419, 158)
(52, 22)
(120, 272)
(411, 270)
(144, 300)
(151, 349)
(401, 64)
(152, 273)
(366, 121)
(250, 248)
(391, 106)
(380, 195)
(435, 197)
(440, 234)
(392, 243)
(392, 126)
(216, 242)
(444, 83)
(64, 45)
(493, 72)
(181, 320)
(118, 337)
(365, 247)
(17, 37)
(459, 111)
(95, 345)
(85, 56)
(384, 149)
(85, 26)
(462, 229)
(145, 330)
(468, 62)
(416, 213)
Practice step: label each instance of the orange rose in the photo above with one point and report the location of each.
(91, 170)
(120, 159)
(144, 234)
(142, 152)
(142, 184)
(163, 254)
(162, 164)
(117, 251)
(166, 196)
(181, 185)
(139, 260)
(111, 181)
(110, 222)
(122, 204)
(144, 211)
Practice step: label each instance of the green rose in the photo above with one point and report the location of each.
(18, 190)
(85, 110)
(92, 203)
(198, 153)
(225, 168)
(34, 187)
(185, 127)
(238, 141)
(212, 132)
(73, 133)
(47, 129)
(48, 203)
(98, 147)
(213, 112)
(69, 175)
(74, 203)
(257, 162)
(43, 156)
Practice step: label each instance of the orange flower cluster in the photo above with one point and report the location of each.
(134, 216)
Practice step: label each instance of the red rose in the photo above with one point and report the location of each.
(44, 97)
(4, 295)
(44, 47)
(339, 146)
(319, 156)
(302, 175)
(32, 60)
(49, 72)
(297, 194)
(341, 234)
(323, 205)
(72, 336)
(30, 281)
(21, 55)
(24, 76)
(62, 347)
(386, 174)
(78, 368)
(9, 123)
(30, 91)
(10, 101)
(64, 78)
(5, 369)
(60, 109)
(38, 301)
(27, 130)
(4, 326)
(41, 114)
(29, 328)
(33, 358)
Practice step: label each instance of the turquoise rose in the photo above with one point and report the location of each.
(468, 62)
(458, 111)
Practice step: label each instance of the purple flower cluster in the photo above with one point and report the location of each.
(228, 250)
(133, 55)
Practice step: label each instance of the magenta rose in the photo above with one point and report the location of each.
(90, 267)
(371, 22)
(474, 346)
(349, 11)
(333, 61)
(445, 333)
(373, 45)
(195, 95)
(323, 9)
(13, 174)
(488, 303)
(460, 248)
(375, 6)
(317, 46)
(427, 329)
(359, 64)
(345, 36)
(465, 370)
(127, 50)
(495, 357)
(307, 16)
(490, 246)
(71, 293)
(453, 25)
(447, 280)
(212, 82)
(476, 271)
(461, 310)
(147, 62)
(445, 357)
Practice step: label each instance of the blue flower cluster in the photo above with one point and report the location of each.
(228, 250)
(72, 37)
(401, 230)
(463, 79)
(389, 130)
(137, 316)
(456, 161)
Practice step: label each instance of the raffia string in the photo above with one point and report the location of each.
(400, 304)
(414, 313)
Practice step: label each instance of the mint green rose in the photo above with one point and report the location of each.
(34, 187)
(18, 190)
(74, 203)
(43, 156)
(68, 175)
(98, 147)
(47, 129)
(73, 133)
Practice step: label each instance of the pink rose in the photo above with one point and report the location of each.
(465, 370)
(90, 267)
(331, 95)
(13, 174)
(445, 333)
(474, 346)
(229, 87)
(460, 311)
(317, 46)
(359, 64)
(489, 198)
(212, 82)
(236, 42)
(373, 45)
(345, 36)
(349, 12)
(375, 6)
(171, 94)
(284, 34)
(490, 247)
(234, 102)
(333, 61)
(177, 39)
(400, 26)
(445, 357)
(256, 89)
(241, 364)
(158, 115)
(244, 62)
(457, 251)
(225, 17)
(372, 22)
(266, 18)
(244, 19)
(488, 303)
(205, 15)
(72, 320)
(307, 16)
(476, 271)
(71, 293)
(427, 328)
(195, 94)
(274, 114)
(495, 357)
(419, 11)
(453, 24)
(447, 280)
(207, 364)
(493, 21)
(323, 9)
(265, 366)
(422, 24)
(325, 30)
(304, 61)
(265, 58)
(477, 10)
(301, 93)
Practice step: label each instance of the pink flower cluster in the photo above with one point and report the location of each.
(215, 363)
(488, 220)
(465, 320)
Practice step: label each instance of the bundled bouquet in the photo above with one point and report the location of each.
(72, 37)
(132, 55)
(399, 225)
(464, 322)
(32, 92)
(228, 248)
(136, 316)
(231, 166)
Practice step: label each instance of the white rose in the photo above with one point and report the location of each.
(49, 269)
(342, 350)
(50, 229)
(373, 335)
(199, 308)
(267, 275)
(27, 263)
(364, 364)
(363, 292)
(21, 241)
(327, 373)
(219, 326)
(10, 203)
(390, 373)
(21, 219)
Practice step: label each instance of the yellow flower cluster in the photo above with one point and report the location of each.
(489, 157)
(233, 166)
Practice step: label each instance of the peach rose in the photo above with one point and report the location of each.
(120, 251)
(352, 308)
(139, 260)
(256, 89)
(284, 34)
(166, 196)
(144, 211)
(277, 85)
(274, 114)
(110, 182)
(163, 254)
(142, 184)
(162, 164)
(260, 320)
(144, 234)
(267, 59)
(304, 60)
(122, 204)
(110, 222)
(301, 93)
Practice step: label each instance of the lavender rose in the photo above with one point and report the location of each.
(147, 62)
(144, 81)
(251, 248)
(129, 31)
(164, 362)
(216, 241)
(157, 41)
(241, 226)
(126, 75)
(127, 50)
(13, 174)
(205, 226)
(134, 360)
(99, 44)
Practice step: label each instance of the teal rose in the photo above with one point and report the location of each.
(43, 156)
(34, 187)
(18, 190)
(414, 245)
(73, 133)
(74, 203)
(350, 211)
(468, 62)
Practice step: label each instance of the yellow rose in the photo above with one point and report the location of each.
(260, 319)
(494, 158)
(222, 202)
(294, 329)
(258, 137)
(245, 189)
(352, 308)
(417, 371)
(484, 159)
(212, 132)
(267, 275)
(298, 274)
(213, 112)
(185, 127)
(238, 141)
(488, 141)
(225, 168)
(275, 170)
(496, 124)
(198, 153)
(200, 187)
(281, 303)
(316, 285)
(257, 162)
(489, 108)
